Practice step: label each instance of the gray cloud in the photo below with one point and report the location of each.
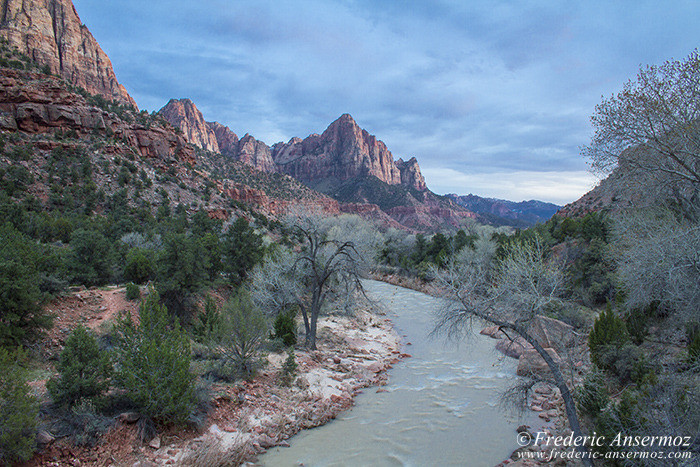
(477, 87)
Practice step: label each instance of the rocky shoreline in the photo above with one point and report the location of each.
(250, 417)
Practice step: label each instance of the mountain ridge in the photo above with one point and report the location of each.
(51, 33)
(505, 212)
(342, 151)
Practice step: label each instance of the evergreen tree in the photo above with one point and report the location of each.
(182, 270)
(242, 249)
(83, 369)
(21, 315)
(91, 261)
(609, 334)
(153, 363)
(18, 411)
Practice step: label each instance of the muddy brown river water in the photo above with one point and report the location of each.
(441, 407)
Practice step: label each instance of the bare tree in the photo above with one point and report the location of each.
(652, 127)
(510, 295)
(324, 269)
(658, 261)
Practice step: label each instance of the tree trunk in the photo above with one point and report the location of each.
(307, 326)
(569, 403)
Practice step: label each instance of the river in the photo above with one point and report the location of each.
(441, 407)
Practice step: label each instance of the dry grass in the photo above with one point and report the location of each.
(212, 453)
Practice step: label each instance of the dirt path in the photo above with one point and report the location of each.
(90, 308)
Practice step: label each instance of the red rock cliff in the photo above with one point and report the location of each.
(342, 152)
(37, 103)
(345, 151)
(51, 33)
(183, 114)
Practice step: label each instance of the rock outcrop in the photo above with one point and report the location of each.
(225, 138)
(426, 215)
(215, 137)
(342, 152)
(51, 33)
(254, 152)
(183, 114)
(410, 174)
(345, 151)
(37, 103)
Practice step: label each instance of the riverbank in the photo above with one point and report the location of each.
(247, 418)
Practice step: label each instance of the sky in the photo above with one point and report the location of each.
(492, 97)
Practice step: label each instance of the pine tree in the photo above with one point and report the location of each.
(153, 358)
(18, 411)
(242, 249)
(609, 334)
(83, 369)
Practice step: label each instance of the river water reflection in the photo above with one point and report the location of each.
(441, 406)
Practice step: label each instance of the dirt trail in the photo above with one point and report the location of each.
(89, 307)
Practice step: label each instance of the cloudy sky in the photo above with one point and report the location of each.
(492, 97)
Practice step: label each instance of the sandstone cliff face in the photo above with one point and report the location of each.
(410, 174)
(254, 152)
(37, 103)
(183, 114)
(215, 137)
(225, 138)
(343, 151)
(50, 32)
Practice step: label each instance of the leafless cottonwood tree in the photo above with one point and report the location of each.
(325, 268)
(652, 127)
(510, 295)
(658, 261)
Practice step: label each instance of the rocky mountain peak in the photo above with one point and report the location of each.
(183, 114)
(411, 174)
(51, 33)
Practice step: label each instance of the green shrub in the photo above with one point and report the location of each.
(21, 316)
(289, 369)
(140, 266)
(90, 261)
(208, 323)
(286, 329)
(153, 360)
(637, 322)
(84, 370)
(83, 424)
(18, 411)
(182, 270)
(592, 397)
(133, 292)
(607, 336)
(242, 332)
(242, 249)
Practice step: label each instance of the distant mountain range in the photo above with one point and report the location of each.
(502, 212)
(345, 162)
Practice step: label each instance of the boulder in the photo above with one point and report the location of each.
(129, 417)
(44, 437)
(551, 333)
(514, 348)
(531, 363)
(155, 443)
(493, 332)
